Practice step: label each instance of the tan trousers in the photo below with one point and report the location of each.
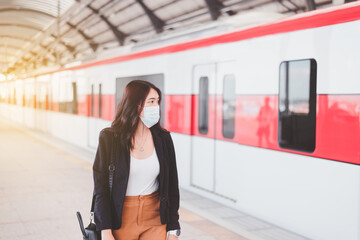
(141, 219)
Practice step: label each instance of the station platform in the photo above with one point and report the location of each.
(45, 180)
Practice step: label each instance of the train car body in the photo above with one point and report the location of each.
(265, 120)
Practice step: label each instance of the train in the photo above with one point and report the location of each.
(265, 118)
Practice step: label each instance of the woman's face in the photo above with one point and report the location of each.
(152, 99)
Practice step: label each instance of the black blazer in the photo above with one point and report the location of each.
(108, 212)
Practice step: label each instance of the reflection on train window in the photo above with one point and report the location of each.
(229, 102)
(297, 105)
(92, 100)
(298, 89)
(203, 104)
(100, 100)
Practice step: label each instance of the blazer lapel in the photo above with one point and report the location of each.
(122, 162)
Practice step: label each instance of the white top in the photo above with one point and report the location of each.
(143, 175)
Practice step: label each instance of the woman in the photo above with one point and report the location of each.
(144, 200)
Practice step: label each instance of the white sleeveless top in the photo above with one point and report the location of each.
(143, 175)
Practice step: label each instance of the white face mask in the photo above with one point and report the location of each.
(151, 115)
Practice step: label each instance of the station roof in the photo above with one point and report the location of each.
(39, 33)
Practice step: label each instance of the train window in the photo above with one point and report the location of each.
(92, 100)
(297, 105)
(203, 104)
(50, 99)
(14, 96)
(100, 100)
(47, 101)
(2, 93)
(228, 108)
(74, 100)
(34, 101)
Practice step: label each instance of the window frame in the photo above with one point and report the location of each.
(297, 131)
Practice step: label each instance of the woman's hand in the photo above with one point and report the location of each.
(107, 235)
(172, 237)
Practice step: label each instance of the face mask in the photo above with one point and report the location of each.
(151, 115)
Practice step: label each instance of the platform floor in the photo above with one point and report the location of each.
(44, 181)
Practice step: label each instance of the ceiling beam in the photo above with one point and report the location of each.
(310, 5)
(120, 36)
(10, 46)
(21, 25)
(25, 40)
(7, 53)
(214, 7)
(36, 41)
(289, 9)
(21, 9)
(90, 41)
(155, 20)
(101, 9)
(15, 37)
(71, 49)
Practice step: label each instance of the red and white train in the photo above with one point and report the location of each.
(265, 119)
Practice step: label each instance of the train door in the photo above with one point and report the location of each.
(213, 123)
(203, 127)
(226, 160)
(156, 79)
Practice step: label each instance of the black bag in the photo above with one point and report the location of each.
(90, 233)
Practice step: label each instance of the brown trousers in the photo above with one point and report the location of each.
(141, 219)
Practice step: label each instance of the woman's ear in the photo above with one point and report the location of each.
(139, 110)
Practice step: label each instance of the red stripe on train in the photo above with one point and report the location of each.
(107, 106)
(337, 123)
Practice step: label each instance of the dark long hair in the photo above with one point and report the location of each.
(127, 114)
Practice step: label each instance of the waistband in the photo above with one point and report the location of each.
(139, 197)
